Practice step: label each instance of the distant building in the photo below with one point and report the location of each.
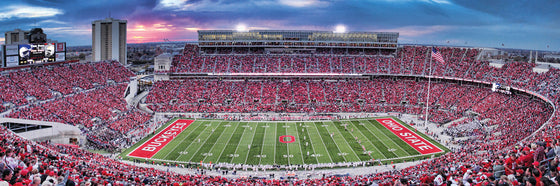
(37, 35)
(162, 65)
(16, 36)
(490, 53)
(552, 56)
(109, 40)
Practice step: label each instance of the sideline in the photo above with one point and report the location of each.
(302, 174)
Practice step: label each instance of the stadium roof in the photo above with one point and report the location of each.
(296, 35)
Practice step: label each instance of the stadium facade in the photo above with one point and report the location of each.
(16, 36)
(295, 42)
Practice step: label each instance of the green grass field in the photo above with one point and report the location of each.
(313, 142)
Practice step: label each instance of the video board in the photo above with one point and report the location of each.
(28, 54)
(36, 53)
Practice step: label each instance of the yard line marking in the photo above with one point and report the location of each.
(202, 144)
(369, 140)
(225, 146)
(237, 148)
(323, 141)
(254, 133)
(300, 145)
(312, 147)
(275, 141)
(294, 145)
(287, 148)
(347, 143)
(343, 157)
(262, 146)
(365, 141)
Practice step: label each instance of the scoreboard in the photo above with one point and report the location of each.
(496, 87)
(27, 54)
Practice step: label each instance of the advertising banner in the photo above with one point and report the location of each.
(61, 47)
(11, 50)
(60, 56)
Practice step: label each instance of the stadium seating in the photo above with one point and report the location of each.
(209, 96)
(93, 101)
(85, 97)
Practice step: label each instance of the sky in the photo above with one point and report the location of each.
(524, 24)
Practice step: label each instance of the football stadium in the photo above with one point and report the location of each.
(275, 107)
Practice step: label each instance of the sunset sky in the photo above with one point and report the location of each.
(526, 24)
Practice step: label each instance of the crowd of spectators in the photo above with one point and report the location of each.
(449, 101)
(507, 153)
(100, 113)
(130, 121)
(43, 83)
(408, 60)
(87, 95)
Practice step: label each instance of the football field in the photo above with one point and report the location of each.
(285, 142)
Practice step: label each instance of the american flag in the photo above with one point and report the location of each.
(437, 56)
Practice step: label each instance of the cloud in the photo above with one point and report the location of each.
(475, 21)
(239, 6)
(425, 1)
(51, 21)
(182, 5)
(415, 31)
(25, 11)
(303, 3)
(531, 12)
(192, 29)
(437, 1)
(172, 3)
(68, 30)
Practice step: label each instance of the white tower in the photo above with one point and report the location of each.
(536, 56)
(109, 40)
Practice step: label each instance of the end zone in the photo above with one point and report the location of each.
(417, 142)
(158, 141)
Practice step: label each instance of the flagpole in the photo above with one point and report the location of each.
(429, 83)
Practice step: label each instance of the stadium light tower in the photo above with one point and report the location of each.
(241, 28)
(340, 29)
